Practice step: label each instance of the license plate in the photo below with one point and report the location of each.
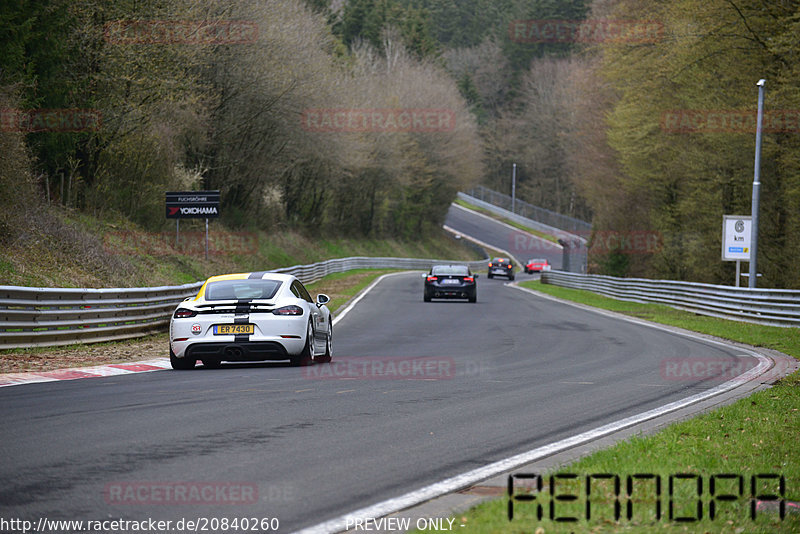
(450, 281)
(233, 329)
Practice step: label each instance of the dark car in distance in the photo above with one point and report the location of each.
(450, 282)
(501, 267)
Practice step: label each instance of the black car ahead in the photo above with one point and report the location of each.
(501, 267)
(450, 282)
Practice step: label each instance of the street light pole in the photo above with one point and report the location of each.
(514, 188)
(756, 190)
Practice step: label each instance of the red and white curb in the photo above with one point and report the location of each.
(99, 371)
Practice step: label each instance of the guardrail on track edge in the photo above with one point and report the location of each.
(42, 317)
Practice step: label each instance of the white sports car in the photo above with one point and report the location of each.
(251, 317)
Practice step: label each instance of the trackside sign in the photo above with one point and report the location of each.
(192, 204)
(736, 237)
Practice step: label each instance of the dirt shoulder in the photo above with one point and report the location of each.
(51, 358)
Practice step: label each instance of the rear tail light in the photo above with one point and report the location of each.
(490, 265)
(469, 279)
(509, 265)
(289, 310)
(432, 278)
(182, 313)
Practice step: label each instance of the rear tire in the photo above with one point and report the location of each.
(489, 276)
(473, 298)
(306, 356)
(511, 277)
(426, 297)
(181, 364)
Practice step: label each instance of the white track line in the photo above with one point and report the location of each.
(469, 478)
(125, 368)
(363, 294)
(545, 241)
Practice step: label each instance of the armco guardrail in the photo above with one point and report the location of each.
(529, 211)
(776, 307)
(41, 317)
(575, 254)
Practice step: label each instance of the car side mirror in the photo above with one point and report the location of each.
(322, 299)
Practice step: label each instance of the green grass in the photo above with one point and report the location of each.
(753, 436)
(342, 287)
(786, 340)
(537, 233)
(95, 252)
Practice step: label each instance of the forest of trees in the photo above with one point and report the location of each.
(583, 120)
(227, 116)
(637, 172)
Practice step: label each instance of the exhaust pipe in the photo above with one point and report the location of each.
(233, 352)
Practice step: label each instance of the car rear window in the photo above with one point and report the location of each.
(456, 270)
(242, 289)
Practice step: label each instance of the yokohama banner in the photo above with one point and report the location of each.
(192, 204)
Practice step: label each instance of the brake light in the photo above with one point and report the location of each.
(288, 310)
(432, 278)
(509, 265)
(183, 313)
(490, 265)
(469, 279)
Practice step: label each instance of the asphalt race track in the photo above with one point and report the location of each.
(502, 376)
(522, 245)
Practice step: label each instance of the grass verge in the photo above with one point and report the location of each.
(754, 436)
(78, 250)
(343, 287)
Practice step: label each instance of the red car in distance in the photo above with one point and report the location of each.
(537, 266)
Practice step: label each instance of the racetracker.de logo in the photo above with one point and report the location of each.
(190, 243)
(729, 121)
(203, 32)
(379, 120)
(705, 369)
(585, 31)
(384, 369)
(50, 120)
(631, 242)
(172, 493)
